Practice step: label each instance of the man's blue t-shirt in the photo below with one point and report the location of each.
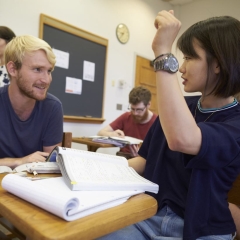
(196, 187)
(44, 127)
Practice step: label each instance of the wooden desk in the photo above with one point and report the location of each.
(36, 223)
(91, 145)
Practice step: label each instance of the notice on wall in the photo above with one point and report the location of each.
(88, 71)
(73, 85)
(62, 58)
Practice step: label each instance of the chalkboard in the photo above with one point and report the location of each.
(81, 46)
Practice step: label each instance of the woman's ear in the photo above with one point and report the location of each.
(216, 67)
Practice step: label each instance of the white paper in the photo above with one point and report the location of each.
(93, 155)
(73, 85)
(88, 71)
(97, 136)
(54, 196)
(86, 174)
(62, 58)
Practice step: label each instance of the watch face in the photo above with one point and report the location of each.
(168, 63)
(173, 64)
(122, 33)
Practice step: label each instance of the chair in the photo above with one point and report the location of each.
(67, 140)
(234, 193)
(8, 231)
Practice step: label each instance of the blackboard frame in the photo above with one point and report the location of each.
(47, 21)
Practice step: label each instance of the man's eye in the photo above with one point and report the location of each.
(186, 58)
(37, 69)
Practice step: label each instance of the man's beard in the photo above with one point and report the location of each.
(140, 119)
(28, 91)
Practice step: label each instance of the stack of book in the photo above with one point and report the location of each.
(117, 141)
(90, 182)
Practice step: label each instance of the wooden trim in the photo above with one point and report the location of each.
(44, 19)
(75, 119)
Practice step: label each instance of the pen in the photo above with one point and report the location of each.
(37, 178)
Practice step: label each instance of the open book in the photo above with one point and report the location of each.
(54, 196)
(118, 141)
(92, 171)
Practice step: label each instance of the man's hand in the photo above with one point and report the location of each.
(134, 149)
(34, 157)
(117, 133)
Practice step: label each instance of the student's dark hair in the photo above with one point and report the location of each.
(139, 94)
(220, 38)
(6, 33)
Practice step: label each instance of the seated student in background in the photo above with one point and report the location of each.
(6, 35)
(31, 120)
(192, 151)
(134, 123)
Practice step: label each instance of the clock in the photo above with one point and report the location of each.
(122, 33)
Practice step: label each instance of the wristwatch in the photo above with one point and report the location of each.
(169, 63)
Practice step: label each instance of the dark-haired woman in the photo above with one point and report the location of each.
(193, 149)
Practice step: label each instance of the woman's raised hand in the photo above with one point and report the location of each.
(167, 26)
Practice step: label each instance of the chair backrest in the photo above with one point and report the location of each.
(234, 193)
(67, 139)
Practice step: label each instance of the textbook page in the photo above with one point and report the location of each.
(20, 168)
(40, 167)
(54, 196)
(86, 174)
(88, 155)
(5, 169)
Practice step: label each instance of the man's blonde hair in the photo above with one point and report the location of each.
(19, 46)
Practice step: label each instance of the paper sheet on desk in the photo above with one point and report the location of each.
(54, 196)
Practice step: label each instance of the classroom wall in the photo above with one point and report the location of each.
(101, 17)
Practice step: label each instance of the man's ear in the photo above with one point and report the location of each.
(11, 68)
